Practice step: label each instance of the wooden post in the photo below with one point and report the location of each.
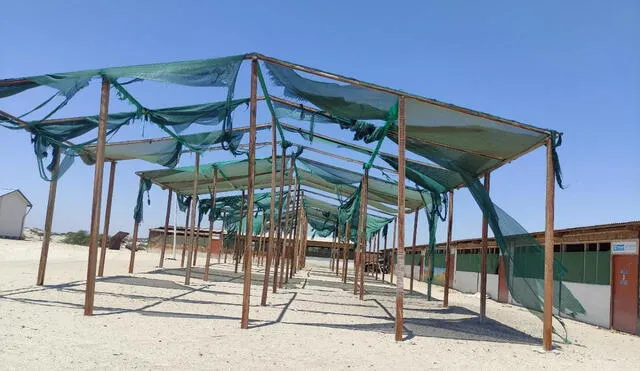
(250, 185)
(97, 197)
(363, 228)
(339, 247)
(236, 254)
(196, 245)
(222, 244)
(377, 255)
(184, 234)
(293, 233)
(384, 252)
(107, 219)
(483, 257)
(447, 256)
(399, 323)
(286, 224)
(413, 248)
(166, 229)
(260, 251)
(547, 332)
(281, 204)
(393, 247)
(44, 252)
(194, 206)
(345, 257)
(213, 205)
(272, 210)
(134, 246)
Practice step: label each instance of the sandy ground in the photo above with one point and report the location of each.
(151, 320)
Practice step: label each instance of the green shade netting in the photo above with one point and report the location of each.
(183, 201)
(220, 72)
(53, 134)
(431, 177)
(232, 175)
(145, 186)
(466, 143)
(525, 273)
(347, 101)
(165, 152)
(324, 218)
(329, 178)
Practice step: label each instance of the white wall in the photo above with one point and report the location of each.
(492, 286)
(596, 301)
(466, 282)
(12, 212)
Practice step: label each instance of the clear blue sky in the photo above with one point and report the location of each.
(573, 66)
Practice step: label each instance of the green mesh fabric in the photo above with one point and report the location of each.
(145, 186)
(347, 101)
(220, 72)
(49, 135)
(165, 152)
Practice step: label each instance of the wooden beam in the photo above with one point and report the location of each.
(248, 247)
(194, 206)
(97, 198)
(166, 229)
(107, 219)
(447, 256)
(48, 221)
(399, 322)
(547, 331)
(483, 256)
(362, 148)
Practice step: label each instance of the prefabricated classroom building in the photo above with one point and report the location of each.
(602, 263)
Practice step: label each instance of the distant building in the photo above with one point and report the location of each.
(602, 263)
(14, 207)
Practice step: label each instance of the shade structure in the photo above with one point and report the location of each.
(464, 144)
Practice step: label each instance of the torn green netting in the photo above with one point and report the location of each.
(47, 136)
(522, 254)
(163, 152)
(145, 186)
(183, 202)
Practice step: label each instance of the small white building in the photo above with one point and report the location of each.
(14, 207)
